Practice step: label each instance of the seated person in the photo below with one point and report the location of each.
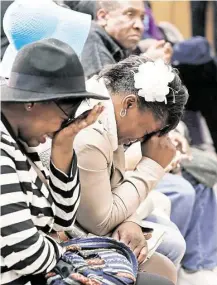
(113, 197)
(31, 206)
(115, 35)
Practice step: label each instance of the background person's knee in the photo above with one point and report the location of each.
(173, 246)
(186, 192)
(160, 265)
(152, 279)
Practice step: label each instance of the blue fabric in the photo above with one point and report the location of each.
(173, 245)
(92, 259)
(194, 211)
(28, 21)
(194, 51)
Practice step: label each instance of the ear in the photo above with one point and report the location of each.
(130, 102)
(28, 106)
(101, 17)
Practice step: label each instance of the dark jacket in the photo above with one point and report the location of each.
(86, 7)
(100, 49)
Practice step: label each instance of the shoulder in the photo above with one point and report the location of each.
(97, 45)
(10, 151)
(97, 42)
(95, 139)
(96, 32)
(7, 154)
(7, 144)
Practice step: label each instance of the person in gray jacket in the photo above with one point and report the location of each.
(115, 35)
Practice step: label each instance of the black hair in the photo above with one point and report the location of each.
(86, 7)
(119, 79)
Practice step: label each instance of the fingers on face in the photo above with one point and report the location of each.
(160, 139)
(78, 125)
(94, 114)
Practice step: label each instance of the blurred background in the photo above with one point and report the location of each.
(179, 14)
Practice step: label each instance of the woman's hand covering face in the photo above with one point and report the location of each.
(69, 133)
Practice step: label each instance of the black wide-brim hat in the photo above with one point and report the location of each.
(46, 70)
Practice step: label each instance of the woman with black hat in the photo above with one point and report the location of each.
(40, 100)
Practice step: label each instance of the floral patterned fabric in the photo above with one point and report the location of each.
(94, 261)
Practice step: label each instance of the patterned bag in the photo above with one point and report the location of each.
(94, 261)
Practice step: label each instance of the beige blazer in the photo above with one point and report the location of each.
(108, 195)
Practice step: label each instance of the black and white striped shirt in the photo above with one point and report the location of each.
(29, 211)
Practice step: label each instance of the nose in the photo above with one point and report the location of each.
(138, 24)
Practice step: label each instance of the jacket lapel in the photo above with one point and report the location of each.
(118, 167)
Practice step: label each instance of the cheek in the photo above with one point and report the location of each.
(124, 28)
(42, 126)
(129, 129)
(52, 125)
(136, 131)
(119, 27)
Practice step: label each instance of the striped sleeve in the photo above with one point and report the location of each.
(65, 190)
(23, 248)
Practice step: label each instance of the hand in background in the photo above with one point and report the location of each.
(160, 49)
(181, 143)
(183, 151)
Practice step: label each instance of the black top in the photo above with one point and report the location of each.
(100, 49)
(87, 7)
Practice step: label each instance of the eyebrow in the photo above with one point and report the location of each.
(131, 9)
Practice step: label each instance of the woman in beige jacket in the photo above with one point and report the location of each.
(110, 197)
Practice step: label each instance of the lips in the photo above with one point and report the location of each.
(135, 36)
(128, 142)
(43, 139)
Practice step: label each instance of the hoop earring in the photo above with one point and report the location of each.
(29, 106)
(123, 113)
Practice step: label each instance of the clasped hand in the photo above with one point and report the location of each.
(131, 234)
